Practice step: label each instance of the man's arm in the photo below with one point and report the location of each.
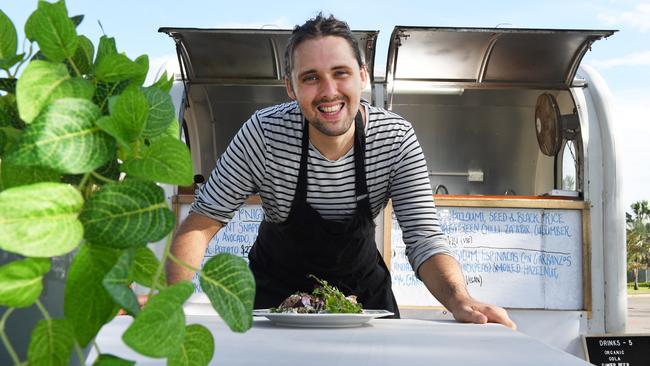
(442, 276)
(189, 244)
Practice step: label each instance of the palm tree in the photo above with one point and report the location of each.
(638, 239)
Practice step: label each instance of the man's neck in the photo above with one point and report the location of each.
(334, 147)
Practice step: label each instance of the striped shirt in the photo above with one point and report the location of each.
(264, 158)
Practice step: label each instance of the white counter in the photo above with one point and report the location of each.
(380, 342)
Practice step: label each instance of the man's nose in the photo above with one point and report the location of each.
(328, 87)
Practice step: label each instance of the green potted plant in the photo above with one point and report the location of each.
(83, 149)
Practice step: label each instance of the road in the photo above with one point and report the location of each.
(638, 314)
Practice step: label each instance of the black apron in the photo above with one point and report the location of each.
(343, 253)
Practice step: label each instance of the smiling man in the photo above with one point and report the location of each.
(325, 166)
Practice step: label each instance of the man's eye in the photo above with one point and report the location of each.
(309, 78)
(342, 73)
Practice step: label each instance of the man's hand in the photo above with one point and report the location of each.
(142, 301)
(472, 311)
(442, 276)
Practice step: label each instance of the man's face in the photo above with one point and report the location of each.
(327, 82)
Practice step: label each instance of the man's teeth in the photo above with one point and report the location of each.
(331, 109)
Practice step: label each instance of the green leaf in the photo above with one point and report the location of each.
(8, 39)
(127, 214)
(197, 348)
(117, 282)
(160, 327)
(77, 19)
(21, 281)
(43, 82)
(105, 48)
(9, 112)
(106, 359)
(10, 62)
(167, 160)
(164, 83)
(54, 32)
(64, 138)
(145, 268)
(143, 61)
(14, 176)
(51, 343)
(230, 286)
(38, 56)
(8, 85)
(128, 115)
(40, 220)
(9, 136)
(86, 302)
(117, 67)
(161, 112)
(114, 128)
(173, 130)
(105, 91)
(83, 57)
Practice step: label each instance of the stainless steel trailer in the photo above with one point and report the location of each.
(508, 119)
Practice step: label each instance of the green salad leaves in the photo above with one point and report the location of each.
(324, 299)
(335, 300)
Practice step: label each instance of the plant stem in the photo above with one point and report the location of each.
(47, 317)
(99, 352)
(20, 64)
(80, 353)
(5, 339)
(167, 254)
(161, 265)
(102, 178)
(181, 263)
(74, 66)
(83, 182)
(110, 93)
(43, 310)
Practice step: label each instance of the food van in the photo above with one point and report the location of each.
(519, 141)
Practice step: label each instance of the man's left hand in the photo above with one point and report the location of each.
(472, 311)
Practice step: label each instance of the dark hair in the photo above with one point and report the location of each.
(317, 27)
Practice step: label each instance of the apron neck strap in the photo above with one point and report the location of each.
(361, 187)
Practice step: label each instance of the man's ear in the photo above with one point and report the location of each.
(287, 84)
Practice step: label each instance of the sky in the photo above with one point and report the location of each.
(622, 59)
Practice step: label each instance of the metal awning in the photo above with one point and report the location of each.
(488, 57)
(243, 56)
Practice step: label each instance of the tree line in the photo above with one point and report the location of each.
(638, 239)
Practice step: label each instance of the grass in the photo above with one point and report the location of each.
(644, 288)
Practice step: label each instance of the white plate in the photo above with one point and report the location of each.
(321, 320)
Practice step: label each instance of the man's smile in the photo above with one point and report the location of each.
(331, 108)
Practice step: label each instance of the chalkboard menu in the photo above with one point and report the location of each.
(235, 238)
(513, 257)
(617, 350)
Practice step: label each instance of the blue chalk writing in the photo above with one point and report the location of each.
(250, 214)
(248, 227)
(467, 216)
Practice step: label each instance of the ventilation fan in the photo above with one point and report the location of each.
(547, 124)
(551, 126)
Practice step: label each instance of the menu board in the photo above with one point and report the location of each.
(511, 257)
(236, 238)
